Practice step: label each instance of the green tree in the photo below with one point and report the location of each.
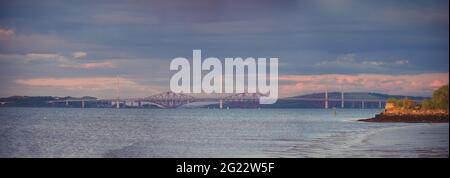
(440, 98)
(426, 104)
(407, 104)
(392, 100)
(399, 103)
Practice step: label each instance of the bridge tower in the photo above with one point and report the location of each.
(118, 92)
(342, 97)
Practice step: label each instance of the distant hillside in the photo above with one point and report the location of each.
(290, 102)
(359, 95)
(35, 101)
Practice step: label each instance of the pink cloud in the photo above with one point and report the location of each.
(6, 33)
(95, 65)
(95, 83)
(417, 84)
(88, 85)
(91, 65)
(67, 61)
(437, 83)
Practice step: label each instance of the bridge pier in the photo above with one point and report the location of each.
(362, 104)
(326, 100)
(221, 104)
(67, 103)
(82, 103)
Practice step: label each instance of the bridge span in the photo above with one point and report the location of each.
(242, 100)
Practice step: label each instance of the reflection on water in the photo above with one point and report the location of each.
(64, 132)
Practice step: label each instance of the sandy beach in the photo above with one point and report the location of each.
(411, 141)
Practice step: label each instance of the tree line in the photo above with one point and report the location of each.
(438, 101)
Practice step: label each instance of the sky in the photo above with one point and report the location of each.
(81, 48)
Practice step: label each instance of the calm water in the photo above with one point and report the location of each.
(64, 132)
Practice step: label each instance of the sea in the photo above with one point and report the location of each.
(216, 133)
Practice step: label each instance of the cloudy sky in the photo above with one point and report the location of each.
(78, 48)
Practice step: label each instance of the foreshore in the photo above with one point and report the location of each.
(419, 140)
(409, 118)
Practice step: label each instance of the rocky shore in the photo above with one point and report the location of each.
(409, 118)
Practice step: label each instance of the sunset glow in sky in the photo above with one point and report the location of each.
(78, 48)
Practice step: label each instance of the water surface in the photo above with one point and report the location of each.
(95, 132)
